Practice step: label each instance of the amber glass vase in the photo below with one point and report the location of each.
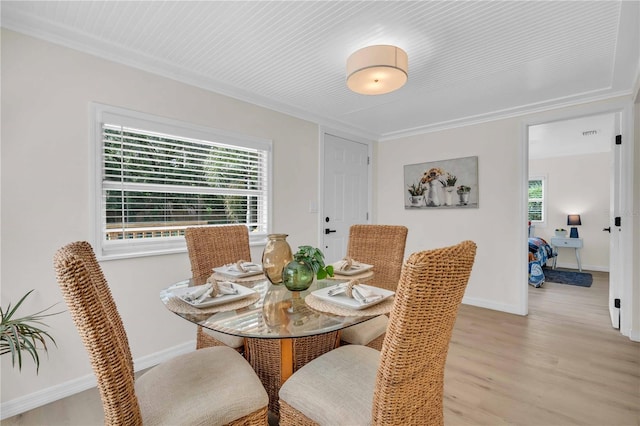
(276, 255)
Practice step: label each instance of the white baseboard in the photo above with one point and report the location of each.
(71, 387)
(483, 303)
(156, 358)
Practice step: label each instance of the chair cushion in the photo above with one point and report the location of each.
(365, 332)
(212, 385)
(227, 339)
(335, 388)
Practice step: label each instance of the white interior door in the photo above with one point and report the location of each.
(615, 255)
(345, 192)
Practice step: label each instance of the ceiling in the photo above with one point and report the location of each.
(468, 61)
(585, 135)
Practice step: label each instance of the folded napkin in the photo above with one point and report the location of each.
(220, 288)
(365, 295)
(199, 294)
(355, 290)
(226, 287)
(243, 266)
(347, 264)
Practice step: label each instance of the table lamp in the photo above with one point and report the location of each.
(573, 219)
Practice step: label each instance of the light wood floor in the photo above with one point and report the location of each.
(561, 365)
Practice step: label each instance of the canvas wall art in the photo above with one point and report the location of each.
(444, 184)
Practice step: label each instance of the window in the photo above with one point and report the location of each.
(155, 177)
(536, 199)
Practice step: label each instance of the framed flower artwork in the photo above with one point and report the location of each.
(445, 184)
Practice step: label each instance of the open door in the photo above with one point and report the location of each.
(345, 193)
(615, 229)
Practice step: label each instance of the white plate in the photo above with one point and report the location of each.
(224, 270)
(347, 302)
(212, 301)
(354, 270)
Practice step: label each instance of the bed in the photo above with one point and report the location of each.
(539, 252)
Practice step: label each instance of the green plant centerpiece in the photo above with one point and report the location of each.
(307, 263)
(23, 334)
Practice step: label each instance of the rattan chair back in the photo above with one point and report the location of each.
(381, 246)
(210, 247)
(417, 340)
(213, 246)
(94, 313)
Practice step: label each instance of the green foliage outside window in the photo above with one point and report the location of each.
(536, 200)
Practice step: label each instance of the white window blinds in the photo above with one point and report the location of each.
(154, 184)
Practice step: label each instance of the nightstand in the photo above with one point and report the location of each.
(574, 243)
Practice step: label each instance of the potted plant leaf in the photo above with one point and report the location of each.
(18, 335)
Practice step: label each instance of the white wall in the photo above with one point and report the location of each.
(498, 279)
(577, 184)
(46, 91)
(496, 273)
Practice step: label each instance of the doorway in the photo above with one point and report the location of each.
(575, 159)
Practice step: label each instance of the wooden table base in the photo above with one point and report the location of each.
(275, 360)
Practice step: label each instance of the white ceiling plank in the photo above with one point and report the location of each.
(466, 59)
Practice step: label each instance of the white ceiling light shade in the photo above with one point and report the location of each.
(376, 70)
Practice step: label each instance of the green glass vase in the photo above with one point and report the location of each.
(298, 275)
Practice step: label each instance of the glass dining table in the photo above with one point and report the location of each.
(282, 332)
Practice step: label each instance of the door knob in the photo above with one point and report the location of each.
(607, 229)
(327, 231)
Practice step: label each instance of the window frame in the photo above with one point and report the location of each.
(543, 200)
(138, 247)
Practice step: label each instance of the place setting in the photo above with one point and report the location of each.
(211, 297)
(240, 271)
(351, 268)
(351, 298)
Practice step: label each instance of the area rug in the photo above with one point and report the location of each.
(559, 276)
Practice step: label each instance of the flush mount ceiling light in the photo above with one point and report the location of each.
(376, 70)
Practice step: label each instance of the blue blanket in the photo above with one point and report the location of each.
(539, 253)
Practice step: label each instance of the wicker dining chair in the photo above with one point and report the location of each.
(210, 386)
(210, 247)
(383, 247)
(404, 383)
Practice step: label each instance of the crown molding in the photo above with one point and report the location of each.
(558, 103)
(44, 30)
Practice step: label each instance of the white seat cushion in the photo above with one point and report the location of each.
(227, 339)
(335, 388)
(365, 332)
(208, 386)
